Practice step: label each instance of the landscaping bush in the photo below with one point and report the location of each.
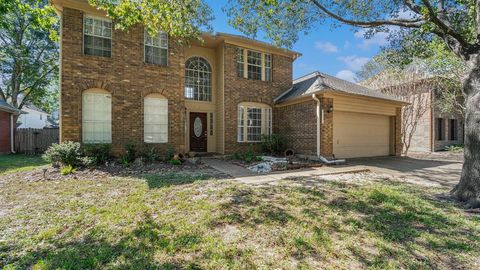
(66, 154)
(170, 153)
(99, 153)
(130, 153)
(67, 170)
(175, 162)
(150, 154)
(249, 156)
(454, 148)
(273, 144)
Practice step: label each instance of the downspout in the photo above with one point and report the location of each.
(320, 120)
(12, 147)
(318, 124)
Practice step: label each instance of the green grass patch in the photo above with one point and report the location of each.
(179, 221)
(19, 162)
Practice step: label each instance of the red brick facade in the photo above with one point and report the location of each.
(239, 90)
(5, 130)
(129, 79)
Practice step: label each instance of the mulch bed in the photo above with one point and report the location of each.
(113, 169)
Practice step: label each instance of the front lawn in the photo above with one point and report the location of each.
(176, 222)
(19, 162)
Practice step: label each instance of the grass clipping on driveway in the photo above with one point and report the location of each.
(187, 222)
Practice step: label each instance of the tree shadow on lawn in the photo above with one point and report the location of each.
(173, 179)
(408, 225)
(136, 250)
(251, 207)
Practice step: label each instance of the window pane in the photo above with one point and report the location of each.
(254, 124)
(198, 79)
(155, 120)
(240, 63)
(96, 118)
(97, 36)
(254, 65)
(156, 48)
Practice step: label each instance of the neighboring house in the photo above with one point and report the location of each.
(436, 129)
(218, 96)
(324, 115)
(430, 128)
(33, 117)
(7, 126)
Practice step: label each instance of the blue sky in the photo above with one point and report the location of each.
(340, 52)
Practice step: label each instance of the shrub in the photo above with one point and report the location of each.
(99, 153)
(175, 162)
(66, 153)
(130, 153)
(454, 148)
(67, 170)
(273, 144)
(170, 153)
(150, 154)
(249, 156)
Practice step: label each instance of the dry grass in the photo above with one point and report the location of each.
(189, 222)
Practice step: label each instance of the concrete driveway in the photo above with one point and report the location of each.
(414, 170)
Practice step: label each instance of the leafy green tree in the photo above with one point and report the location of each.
(28, 53)
(455, 22)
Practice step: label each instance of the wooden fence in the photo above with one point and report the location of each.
(35, 141)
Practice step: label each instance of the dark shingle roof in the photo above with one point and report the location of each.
(317, 82)
(4, 106)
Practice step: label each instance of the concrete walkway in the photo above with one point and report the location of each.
(248, 177)
(414, 170)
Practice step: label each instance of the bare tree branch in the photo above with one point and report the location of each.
(411, 23)
(444, 25)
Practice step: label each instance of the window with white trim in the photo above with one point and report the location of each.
(254, 120)
(97, 36)
(155, 119)
(253, 65)
(96, 116)
(156, 48)
(198, 79)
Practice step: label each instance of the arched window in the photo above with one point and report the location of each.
(96, 116)
(198, 79)
(254, 120)
(155, 111)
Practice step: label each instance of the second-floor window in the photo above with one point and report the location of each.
(97, 36)
(254, 65)
(198, 79)
(156, 48)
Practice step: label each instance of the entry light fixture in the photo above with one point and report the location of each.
(330, 109)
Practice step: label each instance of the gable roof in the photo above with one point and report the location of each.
(318, 82)
(4, 106)
(34, 108)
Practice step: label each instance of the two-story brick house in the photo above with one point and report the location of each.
(119, 87)
(219, 96)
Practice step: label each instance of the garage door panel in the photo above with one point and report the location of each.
(360, 135)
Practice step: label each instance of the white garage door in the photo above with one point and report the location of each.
(360, 135)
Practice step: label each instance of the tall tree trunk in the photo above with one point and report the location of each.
(468, 189)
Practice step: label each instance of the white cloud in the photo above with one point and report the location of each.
(347, 75)
(326, 47)
(378, 39)
(354, 62)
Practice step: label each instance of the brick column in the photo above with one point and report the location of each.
(398, 132)
(326, 129)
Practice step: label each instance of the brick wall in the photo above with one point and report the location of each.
(4, 132)
(239, 89)
(398, 132)
(126, 77)
(297, 124)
